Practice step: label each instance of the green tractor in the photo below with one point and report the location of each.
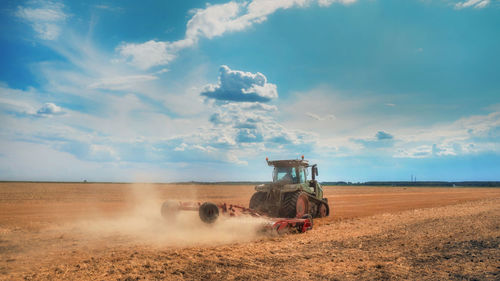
(291, 194)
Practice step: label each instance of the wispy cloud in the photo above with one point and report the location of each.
(353, 131)
(330, 2)
(148, 54)
(109, 8)
(45, 17)
(121, 82)
(26, 104)
(320, 118)
(210, 22)
(478, 4)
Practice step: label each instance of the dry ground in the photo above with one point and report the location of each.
(51, 231)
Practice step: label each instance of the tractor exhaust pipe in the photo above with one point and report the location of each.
(314, 171)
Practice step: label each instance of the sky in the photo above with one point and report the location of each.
(163, 91)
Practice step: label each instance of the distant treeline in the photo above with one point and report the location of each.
(371, 183)
(368, 183)
(221, 182)
(420, 183)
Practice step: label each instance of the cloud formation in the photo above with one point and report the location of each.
(242, 123)
(147, 54)
(320, 118)
(210, 22)
(49, 109)
(237, 124)
(45, 17)
(381, 140)
(121, 82)
(327, 3)
(478, 4)
(239, 86)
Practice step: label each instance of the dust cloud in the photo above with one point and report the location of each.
(142, 223)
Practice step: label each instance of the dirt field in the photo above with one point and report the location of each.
(62, 231)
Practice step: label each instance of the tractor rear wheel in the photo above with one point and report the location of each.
(295, 205)
(257, 200)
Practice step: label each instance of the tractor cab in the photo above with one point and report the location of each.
(293, 172)
(289, 174)
(289, 171)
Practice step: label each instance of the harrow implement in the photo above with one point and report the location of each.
(210, 212)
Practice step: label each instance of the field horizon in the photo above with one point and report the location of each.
(324, 183)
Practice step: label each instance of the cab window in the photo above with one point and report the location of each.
(302, 175)
(285, 174)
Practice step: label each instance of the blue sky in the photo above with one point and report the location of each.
(193, 90)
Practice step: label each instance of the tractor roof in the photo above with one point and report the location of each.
(288, 163)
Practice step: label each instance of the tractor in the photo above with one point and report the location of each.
(291, 194)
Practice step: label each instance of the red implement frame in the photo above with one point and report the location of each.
(279, 225)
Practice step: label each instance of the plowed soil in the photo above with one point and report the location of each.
(76, 231)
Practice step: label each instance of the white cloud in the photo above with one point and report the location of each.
(10, 103)
(103, 153)
(422, 151)
(49, 109)
(239, 126)
(258, 106)
(121, 82)
(473, 134)
(209, 22)
(240, 123)
(45, 17)
(214, 21)
(109, 8)
(327, 3)
(240, 86)
(147, 54)
(356, 121)
(321, 118)
(479, 4)
(26, 103)
(483, 4)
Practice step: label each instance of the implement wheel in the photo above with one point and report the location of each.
(209, 212)
(169, 209)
